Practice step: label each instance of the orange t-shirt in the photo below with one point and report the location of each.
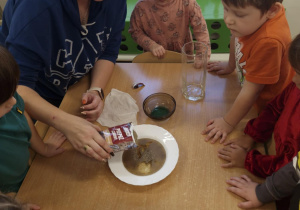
(262, 58)
(167, 23)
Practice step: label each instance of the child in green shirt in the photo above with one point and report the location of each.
(17, 131)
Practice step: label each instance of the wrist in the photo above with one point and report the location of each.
(227, 122)
(61, 121)
(45, 150)
(262, 193)
(98, 90)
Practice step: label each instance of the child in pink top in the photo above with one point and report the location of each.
(159, 25)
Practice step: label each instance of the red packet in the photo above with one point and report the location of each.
(120, 137)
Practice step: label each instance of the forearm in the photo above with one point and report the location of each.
(281, 184)
(239, 109)
(78, 131)
(136, 31)
(245, 141)
(140, 37)
(236, 113)
(199, 25)
(243, 103)
(204, 38)
(265, 165)
(262, 127)
(145, 42)
(36, 143)
(231, 62)
(259, 130)
(101, 73)
(41, 110)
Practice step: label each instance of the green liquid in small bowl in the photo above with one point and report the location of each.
(160, 112)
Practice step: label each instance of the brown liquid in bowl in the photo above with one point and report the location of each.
(146, 159)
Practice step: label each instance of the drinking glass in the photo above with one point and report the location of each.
(194, 60)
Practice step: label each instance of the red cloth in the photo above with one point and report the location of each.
(281, 116)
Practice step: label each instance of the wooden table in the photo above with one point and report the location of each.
(74, 181)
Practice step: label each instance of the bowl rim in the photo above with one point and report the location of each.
(160, 93)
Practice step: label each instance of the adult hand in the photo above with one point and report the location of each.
(157, 50)
(82, 134)
(53, 144)
(92, 105)
(85, 137)
(217, 128)
(244, 187)
(234, 154)
(219, 67)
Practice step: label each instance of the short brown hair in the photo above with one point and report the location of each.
(262, 5)
(294, 53)
(9, 75)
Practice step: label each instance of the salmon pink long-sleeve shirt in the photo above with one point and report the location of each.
(167, 23)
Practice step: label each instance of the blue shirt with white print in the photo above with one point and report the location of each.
(51, 46)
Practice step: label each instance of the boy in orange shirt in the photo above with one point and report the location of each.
(260, 36)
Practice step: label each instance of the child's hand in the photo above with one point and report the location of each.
(52, 146)
(157, 50)
(217, 128)
(244, 187)
(234, 154)
(219, 67)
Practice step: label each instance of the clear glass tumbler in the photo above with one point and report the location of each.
(194, 61)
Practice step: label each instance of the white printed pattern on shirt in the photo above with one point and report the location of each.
(64, 57)
(239, 66)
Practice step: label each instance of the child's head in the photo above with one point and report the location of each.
(262, 5)
(294, 58)
(244, 17)
(9, 77)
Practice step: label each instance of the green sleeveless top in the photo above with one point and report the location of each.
(14, 142)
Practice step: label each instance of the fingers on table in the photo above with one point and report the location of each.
(245, 177)
(236, 184)
(225, 154)
(224, 157)
(214, 135)
(224, 136)
(218, 135)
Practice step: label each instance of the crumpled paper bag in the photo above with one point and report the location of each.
(119, 108)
